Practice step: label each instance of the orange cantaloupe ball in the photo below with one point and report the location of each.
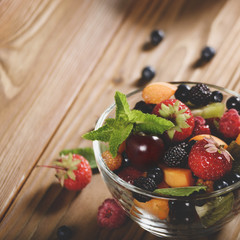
(202, 136)
(178, 177)
(157, 92)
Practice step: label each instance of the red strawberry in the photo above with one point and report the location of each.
(208, 160)
(73, 171)
(180, 115)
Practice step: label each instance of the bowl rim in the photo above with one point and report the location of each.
(114, 177)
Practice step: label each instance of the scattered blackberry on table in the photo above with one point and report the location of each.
(176, 156)
(144, 183)
(200, 94)
(144, 107)
(181, 212)
(208, 53)
(156, 174)
(182, 93)
(233, 102)
(216, 96)
(64, 233)
(148, 73)
(156, 37)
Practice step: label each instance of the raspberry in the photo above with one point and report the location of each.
(110, 214)
(111, 162)
(200, 94)
(199, 120)
(129, 174)
(176, 156)
(229, 124)
(207, 183)
(145, 183)
(201, 129)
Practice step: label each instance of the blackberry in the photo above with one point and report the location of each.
(233, 102)
(144, 107)
(208, 53)
(148, 73)
(176, 156)
(182, 93)
(64, 233)
(200, 94)
(216, 96)
(156, 37)
(156, 174)
(144, 183)
(181, 212)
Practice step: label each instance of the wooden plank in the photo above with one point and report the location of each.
(45, 61)
(41, 206)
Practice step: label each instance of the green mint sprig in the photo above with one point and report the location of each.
(116, 130)
(180, 191)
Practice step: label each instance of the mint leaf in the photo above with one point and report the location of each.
(85, 152)
(101, 134)
(122, 106)
(115, 131)
(217, 209)
(118, 136)
(149, 123)
(180, 191)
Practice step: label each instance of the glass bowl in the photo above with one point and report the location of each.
(213, 210)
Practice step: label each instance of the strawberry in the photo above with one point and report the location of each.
(180, 115)
(73, 171)
(208, 160)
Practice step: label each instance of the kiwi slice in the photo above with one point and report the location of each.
(216, 209)
(212, 110)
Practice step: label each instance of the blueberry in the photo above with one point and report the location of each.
(148, 73)
(144, 107)
(64, 233)
(182, 92)
(181, 212)
(232, 178)
(220, 184)
(125, 160)
(156, 37)
(208, 53)
(233, 102)
(216, 96)
(156, 174)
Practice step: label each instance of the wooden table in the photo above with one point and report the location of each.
(60, 64)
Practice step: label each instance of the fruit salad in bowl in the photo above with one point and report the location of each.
(170, 155)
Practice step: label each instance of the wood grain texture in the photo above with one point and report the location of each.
(60, 64)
